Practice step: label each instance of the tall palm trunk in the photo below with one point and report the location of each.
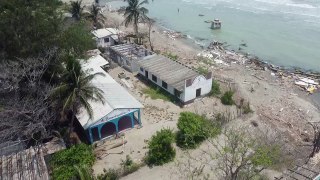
(72, 120)
(150, 26)
(135, 25)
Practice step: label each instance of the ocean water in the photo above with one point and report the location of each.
(282, 32)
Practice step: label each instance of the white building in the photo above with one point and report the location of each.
(216, 24)
(120, 111)
(177, 79)
(127, 55)
(106, 37)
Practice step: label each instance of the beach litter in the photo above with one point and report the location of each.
(308, 84)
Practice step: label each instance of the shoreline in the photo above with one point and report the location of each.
(277, 104)
(226, 56)
(203, 43)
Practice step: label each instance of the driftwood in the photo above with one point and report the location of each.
(102, 152)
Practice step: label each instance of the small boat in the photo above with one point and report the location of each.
(201, 15)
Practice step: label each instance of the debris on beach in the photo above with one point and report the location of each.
(173, 35)
(308, 84)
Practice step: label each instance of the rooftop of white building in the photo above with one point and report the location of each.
(115, 96)
(100, 33)
(172, 72)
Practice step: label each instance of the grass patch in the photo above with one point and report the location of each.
(215, 89)
(227, 99)
(155, 92)
(202, 70)
(170, 55)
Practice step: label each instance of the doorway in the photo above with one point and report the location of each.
(147, 74)
(198, 92)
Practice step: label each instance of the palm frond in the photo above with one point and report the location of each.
(70, 101)
(84, 102)
(144, 2)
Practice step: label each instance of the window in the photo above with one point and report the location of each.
(141, 69)
(164, 85)
(177, 93)
(128, 63)
(154, 78)
(106, 40)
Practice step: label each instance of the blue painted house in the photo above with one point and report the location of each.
(120, 111)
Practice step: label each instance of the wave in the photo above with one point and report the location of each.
(304, 8)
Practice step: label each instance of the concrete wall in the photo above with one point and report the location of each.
(101, 43)
(199, 82)
(189, 93)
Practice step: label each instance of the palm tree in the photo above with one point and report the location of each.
(96, 16)
(134, 12)
(76, 90)
(76, 9)
(94, 13)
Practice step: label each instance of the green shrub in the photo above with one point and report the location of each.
(63, 163)
(226, 99)
(129, 166)
(194, 129)
(160, 146)
(110, 174)
(215, 88)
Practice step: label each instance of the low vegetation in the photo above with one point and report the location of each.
(129, 166)
(215, 88)
(205, 60)
(170, 55)
(160, 146)
(227, 98)
(246, 109)
(244, 157)
(202, 70)
(64, 162)
(155, 92)
(194, 129)
(110, 174)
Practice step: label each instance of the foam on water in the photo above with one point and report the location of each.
(284, 32)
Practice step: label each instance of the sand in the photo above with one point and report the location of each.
(278, 105)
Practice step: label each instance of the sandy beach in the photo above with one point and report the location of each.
(278, 105)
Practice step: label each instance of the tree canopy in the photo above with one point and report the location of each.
(35, 43)
(28, 27)
(134, 12)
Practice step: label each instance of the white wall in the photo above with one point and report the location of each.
(190, 92)
(101, 43)
(169, 89)
(199, 82)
